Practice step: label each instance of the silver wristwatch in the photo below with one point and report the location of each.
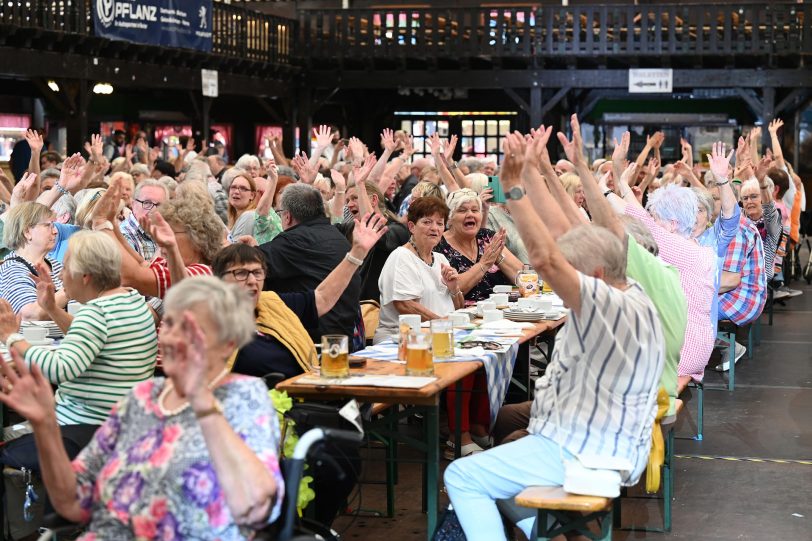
(13, 338)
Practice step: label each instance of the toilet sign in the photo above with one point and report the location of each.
(649, 81)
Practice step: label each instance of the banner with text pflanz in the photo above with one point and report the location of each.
(168, 23)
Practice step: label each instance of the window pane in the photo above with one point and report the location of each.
(479, 127)
(442, 128)
(417, 126)
(479, 145)
(493, 144)
(467, 127)
(431, 127)
(504, 127)
(406, 125)
(493, 128)
(467, 148)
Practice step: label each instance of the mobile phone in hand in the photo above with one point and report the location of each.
(496, 186)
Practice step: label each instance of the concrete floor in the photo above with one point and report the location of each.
(768, 416)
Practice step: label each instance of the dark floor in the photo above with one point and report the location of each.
(768, 416)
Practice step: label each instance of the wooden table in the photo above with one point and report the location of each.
(424, 400)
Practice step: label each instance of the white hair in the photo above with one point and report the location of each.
(230, 174)
(590, 247)
(457, 198)
(65, 205)
(246, 161)
(229, 307)
(677, 205)
(97, 255)
(479, 181)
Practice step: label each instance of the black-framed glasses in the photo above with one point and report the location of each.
(241, 275)
(147, 204)
(243, 189)
(489, 345)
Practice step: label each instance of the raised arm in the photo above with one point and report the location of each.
(719, 166)
(34, 140)
(541, 247)
(389, 146)
(446, 174)
(323, 137)
(620, 154)
(775, 125)
(573, 215)
(340, 198)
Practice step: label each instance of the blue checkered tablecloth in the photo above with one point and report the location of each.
(498, 364)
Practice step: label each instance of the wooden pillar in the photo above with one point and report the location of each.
(535, 105)
(290, 125)
(768, 113)
(305, 118)
(76, 123)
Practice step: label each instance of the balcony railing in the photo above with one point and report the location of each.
(238, 32)
(583, 31)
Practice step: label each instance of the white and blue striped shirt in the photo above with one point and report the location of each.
(606, 367)
(16, 284)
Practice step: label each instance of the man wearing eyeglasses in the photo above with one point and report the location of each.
(149, 194)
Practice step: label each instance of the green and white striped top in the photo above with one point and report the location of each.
(110, 346)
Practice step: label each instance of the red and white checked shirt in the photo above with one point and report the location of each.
(160, 269)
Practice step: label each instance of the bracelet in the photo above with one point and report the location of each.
(607, 192)
(340, 193)
(354, 260)
(458, 292)
(216, 408)
(499, 261)
(484, 270)
(452, 166)
(58, 187)
(723, 183)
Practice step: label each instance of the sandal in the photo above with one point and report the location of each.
(466, 450)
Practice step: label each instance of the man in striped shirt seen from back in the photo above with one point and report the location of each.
(110, 344)
(598, 394)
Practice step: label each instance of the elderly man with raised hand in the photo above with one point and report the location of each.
(306, 251)
(149, 195)
(576, 408)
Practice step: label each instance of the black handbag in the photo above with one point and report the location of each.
(449, 527)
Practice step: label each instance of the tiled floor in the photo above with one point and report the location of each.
(769, 416)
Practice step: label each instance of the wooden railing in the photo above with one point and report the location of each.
(632, 30)
(236, 31)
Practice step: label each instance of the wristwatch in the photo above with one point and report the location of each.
(354, 260)
(452, 166)
(216, 408)
(13, 338)
(515, 193)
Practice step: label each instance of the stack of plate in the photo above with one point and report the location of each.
(516, 314)
(53, 329)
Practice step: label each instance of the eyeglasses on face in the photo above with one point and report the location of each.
(49, 224)
(241, 275)
(242, 189)
(147, 204)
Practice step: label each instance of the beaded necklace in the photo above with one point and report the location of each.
(414, 246)
(169, 386)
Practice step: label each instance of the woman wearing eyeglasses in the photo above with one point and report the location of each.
(282, 343)
(30, 234)
(250, 205)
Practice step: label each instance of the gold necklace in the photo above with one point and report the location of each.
(169, 386)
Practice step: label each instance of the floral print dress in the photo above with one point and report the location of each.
(461, 264)
(145, 475)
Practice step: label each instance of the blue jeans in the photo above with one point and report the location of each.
(475, 483)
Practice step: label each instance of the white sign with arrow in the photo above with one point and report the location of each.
(647, 81)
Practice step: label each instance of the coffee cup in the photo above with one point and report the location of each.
(492, 315)
(412, 320)
(545, 304)
(501, 299)
(459, 319)
(74, 307)
(526, 303)
(502, 289)
(481, 306)
(35, 334)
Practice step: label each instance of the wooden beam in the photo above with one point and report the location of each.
(749, 97)
(793, 100)
(512, 94)
(552, 102)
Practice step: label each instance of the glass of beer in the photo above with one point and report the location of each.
(335, 358)
(442, 338)
(419, 361)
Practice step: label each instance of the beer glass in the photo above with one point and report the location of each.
(335, 358)
(442, 339)
(419, 361)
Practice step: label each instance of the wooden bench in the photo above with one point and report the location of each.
(570, 512)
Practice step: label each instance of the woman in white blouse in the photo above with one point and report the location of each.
(415, 279)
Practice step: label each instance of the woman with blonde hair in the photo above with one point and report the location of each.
(574, 188)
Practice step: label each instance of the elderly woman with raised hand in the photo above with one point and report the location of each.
(109, 345)
(759, 207)
(30, 234)
(477, 254)
(415, 278)
(499, 218)
(192, 456)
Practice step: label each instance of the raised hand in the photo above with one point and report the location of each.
(34, 140)
(388, 140)
(46, 291)
(366, 168)
(574, 148)
(107, 207)
(629, 175)
(323, 136)
(653, 167)
(434, 144)
(160, 231)
(775, 124)
(356, 148)
(24, 190)
(190, 145)
(621, 149)
(656, 140)
(73, 168)
(27, 392)
(96, 148)
(408, 146)
(513, 147)
(128, 152)
(153, 154)
(687, 151)
(449, 148)
(188, 355)
(9, 321)
(339, 180)
(367, 231)
(719, 161)
(536, 154)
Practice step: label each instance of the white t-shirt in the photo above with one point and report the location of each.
(406, 277)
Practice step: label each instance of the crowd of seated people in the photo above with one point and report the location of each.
(191, 276)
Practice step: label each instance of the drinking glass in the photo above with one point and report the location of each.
(335, 357)
(442, 338)
(419, 361)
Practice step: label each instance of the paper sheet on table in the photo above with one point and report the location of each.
(506, 325)
(405, 382)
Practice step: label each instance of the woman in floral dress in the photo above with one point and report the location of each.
(192, 456)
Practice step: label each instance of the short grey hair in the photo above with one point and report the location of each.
(751, 185)
(198, 170)
(474, 165)
(147, 183)
(65, 205)
(230, 174)
(590, 247)
(169, 183)
(247, 160)
(303, 202)
(675, 204)
(51, 172)
(97, 255)
(20, 219)
(478, 181)
(705, 198)
(229, 307)
(457, 198)
(642, 235)
(139, 169)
